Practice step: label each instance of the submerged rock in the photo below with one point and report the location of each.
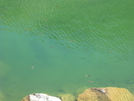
(67, 97)
(40, 97)
(106, 94)
(1, 97)
(4, 68)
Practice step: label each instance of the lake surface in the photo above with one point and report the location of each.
(48, 46)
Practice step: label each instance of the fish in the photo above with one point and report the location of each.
(90, 81)
(110, 51)
(32, 67)
(51, 47)
(87, 75)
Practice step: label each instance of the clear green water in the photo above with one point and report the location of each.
(64, 41)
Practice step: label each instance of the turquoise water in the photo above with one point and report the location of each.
(49, 46)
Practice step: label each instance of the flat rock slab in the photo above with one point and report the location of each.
(106, 94)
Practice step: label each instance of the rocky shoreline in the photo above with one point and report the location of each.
(90, 94)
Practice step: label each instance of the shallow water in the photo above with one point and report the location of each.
(49, 46)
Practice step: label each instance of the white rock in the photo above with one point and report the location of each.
(42, 97)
